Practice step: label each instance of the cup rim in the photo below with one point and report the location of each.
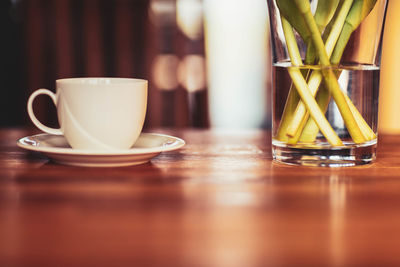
(112, 80)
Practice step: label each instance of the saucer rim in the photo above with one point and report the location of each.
(177, 144)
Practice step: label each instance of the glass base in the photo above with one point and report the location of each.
(325, 156)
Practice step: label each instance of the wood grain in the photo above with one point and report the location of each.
(219, 201)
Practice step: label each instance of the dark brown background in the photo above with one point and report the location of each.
(44, 40)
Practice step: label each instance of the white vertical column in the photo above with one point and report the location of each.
(236, 34)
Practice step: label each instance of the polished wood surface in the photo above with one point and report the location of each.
(219, 201)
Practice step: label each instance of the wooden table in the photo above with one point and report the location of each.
(219, 201)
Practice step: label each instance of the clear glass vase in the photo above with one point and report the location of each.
(325, 85)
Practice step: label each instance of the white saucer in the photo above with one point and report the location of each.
(56, 148)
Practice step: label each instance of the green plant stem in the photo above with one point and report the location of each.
(329, 76)
(310, 130)
(359, 10)
(352, 19)
(291, 43)
(303, 135)
(316, 76)
(337, 26)
(313, 108)
(288, 111)
(300, 111)
(293, 97)
(302, 87)
(325, 10)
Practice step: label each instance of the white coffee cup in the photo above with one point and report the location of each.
(97, 113)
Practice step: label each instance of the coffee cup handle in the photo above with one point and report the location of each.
(32, 114)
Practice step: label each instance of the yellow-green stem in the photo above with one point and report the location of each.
(293, 98)
(310, 129)
(316, 77)
(329, 76)
(313, 108)
(359, 10)
(302, 87)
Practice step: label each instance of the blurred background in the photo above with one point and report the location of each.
(206, 60)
